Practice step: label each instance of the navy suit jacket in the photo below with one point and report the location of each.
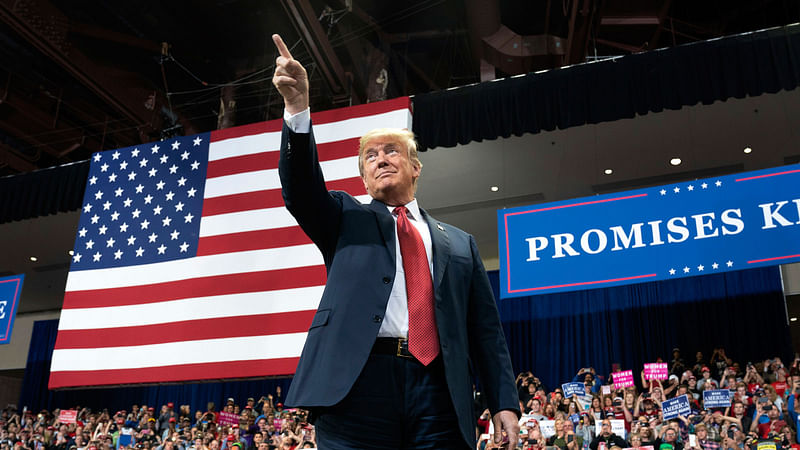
(357, 242)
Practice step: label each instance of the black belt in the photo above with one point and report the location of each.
(392, 346)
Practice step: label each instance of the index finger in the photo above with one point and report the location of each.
(282, 49)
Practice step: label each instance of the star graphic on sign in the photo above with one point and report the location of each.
(106, 205)
(157, 210)
(123, 165)
(139, 251)
(115, 155)
(152, 172)
(184, 247)
(729, 263)
(114, 216)
(672, 271)
(148, 199)
(104, 167)
(188, 218)
(98, 195)
(76, 258)
(173, 169)
(102, 229)
(161, 249)
(715, 266)
(131, 176)
(112, 178)
(191, 192)
(152, 237)
(110, 242)
(690, 187)
(704, 185)
(118, 254)
(160, 185)
(135, 213)
(135, 153)
(174, 235)
(175, 145)
(685, 269)
(93, 180)
(701, 267)
(184, 156)
(95, 219)
(663, 192)
(197, 141)
(181, 181)
(89, 244)
(169, 195)
(155, 148)
(97, 157)
(82, 232)
(87, 207)
(195, 165)
(143, 162)
(96, 257)
(718, 183)
(118, 192)
(127, 202)
(677, 189)
(124, 227)
(131, 239)
(163, 159)
(179, 206)
(139, 189)
(145, 223)
(166, 221)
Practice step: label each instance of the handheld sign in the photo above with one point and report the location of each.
(717, 398)
(67, 416)
(573, 388)
(623, 379)
(617, 427)
(228, 418)
(548, 428)
(10, 288)
(674, 407)
(656, 371)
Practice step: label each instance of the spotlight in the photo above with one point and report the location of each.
(675, 161)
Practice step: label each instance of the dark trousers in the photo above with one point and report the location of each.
(396, 403)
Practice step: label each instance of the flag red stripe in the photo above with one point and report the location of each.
(270, 198)
(187, 330)
(269, 158)
(197, 287)
(252, 240)
(174, 373)
(269, 126)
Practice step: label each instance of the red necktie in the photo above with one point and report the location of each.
(423, 339)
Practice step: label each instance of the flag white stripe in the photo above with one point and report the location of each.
(263, 180)
(212, 307)
(328, 132)
(174, 353)
(197, 267)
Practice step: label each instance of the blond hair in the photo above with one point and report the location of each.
(401, 135)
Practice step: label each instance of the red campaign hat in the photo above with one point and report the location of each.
(705, 369)
(170, 405)
(231, 438)
(236, 425)
(172, 420)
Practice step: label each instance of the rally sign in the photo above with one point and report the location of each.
(573, 388)
(548, 428)
(717, 398)
(226, 418)
(674, 407)
(683, 229)
(68, 416)
(656, 371)
(10, 288)
(617, 427)
(623, 379)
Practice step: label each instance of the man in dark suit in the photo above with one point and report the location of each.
(407, 306)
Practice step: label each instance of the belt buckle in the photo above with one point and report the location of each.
(402, 349)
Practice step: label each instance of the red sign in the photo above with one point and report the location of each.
(228, 419)
(68, 415)
(623, 379)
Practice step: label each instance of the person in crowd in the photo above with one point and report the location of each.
(607, 439)
(677, 365)
(669, 438)
(702, 440)
(706, 382)
(585, 428)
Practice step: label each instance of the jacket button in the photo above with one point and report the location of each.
(387, 280)
(377, 319)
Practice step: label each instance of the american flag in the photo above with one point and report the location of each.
(187, 266)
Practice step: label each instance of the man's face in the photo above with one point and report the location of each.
(605, 428)
(738, 409)
(389, 174)
(702, 434)
(670, 435)
(536, 405)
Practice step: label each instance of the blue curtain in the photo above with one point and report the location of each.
(552, 335)
(555, 335)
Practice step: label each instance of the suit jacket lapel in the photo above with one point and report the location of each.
(386, 225)
(441, 248)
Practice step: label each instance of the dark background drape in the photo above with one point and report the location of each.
(552, 335)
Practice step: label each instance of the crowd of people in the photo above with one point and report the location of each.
(763, 416)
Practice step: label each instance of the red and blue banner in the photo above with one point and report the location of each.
(697, 227)
(10, 288)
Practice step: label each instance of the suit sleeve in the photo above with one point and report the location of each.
(304, 192)
(487, 342)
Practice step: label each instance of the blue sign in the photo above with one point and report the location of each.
(10, 288)
(573, 388)
(717, 398)
(684, 229)
(674, 407)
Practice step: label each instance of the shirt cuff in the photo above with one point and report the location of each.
(300, 122)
